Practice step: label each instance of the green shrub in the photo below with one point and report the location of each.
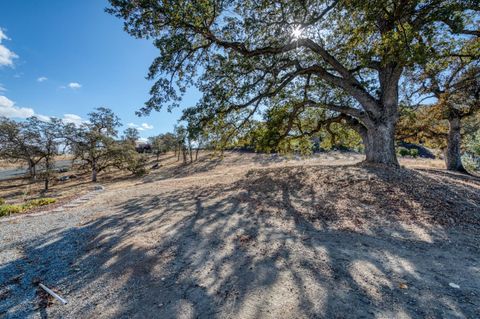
(471, 163)
(6, 210)
(402, 151)
(140, 171)
(2, 201)
(42, 201)
(414, 152)
(38, 202)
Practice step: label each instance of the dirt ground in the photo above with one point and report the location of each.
(20, 189)
(255, 237)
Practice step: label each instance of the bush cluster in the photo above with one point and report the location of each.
(6, 210)
(403, 151)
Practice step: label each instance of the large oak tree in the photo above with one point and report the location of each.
(343, 56)
(94, 142)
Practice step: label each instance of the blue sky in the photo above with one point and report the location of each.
(63, 58)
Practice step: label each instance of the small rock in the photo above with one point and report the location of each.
(454, 285)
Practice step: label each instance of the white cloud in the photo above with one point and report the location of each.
(147, 126)
(6, 56)
(67, 118)
(2, 88)
(10, 110)
(3, 36)
(42, 79)
(73, 118)
(132, 125)
(44, 118)
(74, 85)
(142, 127)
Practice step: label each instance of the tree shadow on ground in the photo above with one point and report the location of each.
(287, 243)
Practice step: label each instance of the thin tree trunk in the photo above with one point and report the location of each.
(32, 169)
(184, 152)
(47, 173)
(453, 156)
(94, 171)
(196, 153)
(190, 151)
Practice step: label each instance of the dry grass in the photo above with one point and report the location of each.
(18, 190)
(9, 165)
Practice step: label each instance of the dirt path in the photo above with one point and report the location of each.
(208, 246)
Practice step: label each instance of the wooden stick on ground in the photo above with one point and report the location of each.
(53, 294)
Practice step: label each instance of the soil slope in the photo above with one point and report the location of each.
(289, 241)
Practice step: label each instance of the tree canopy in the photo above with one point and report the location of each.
(343, 57)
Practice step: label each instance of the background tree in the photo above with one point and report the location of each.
(18, 143)
(94, 141)
(169, 141)
(48, 140)
(196, 138)
(158, 145)
(131, 135)
(124, 156)
(452, 78)
(345, 56)
(457, 106)
(181, 135)
(472, 143)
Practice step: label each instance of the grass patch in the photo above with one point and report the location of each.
(6, 210)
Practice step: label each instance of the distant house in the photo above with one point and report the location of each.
(143, 147)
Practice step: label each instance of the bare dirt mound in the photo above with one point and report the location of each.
(359, 196)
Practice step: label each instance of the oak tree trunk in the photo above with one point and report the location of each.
(453, 157)
(379, 142)
(381, 117)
